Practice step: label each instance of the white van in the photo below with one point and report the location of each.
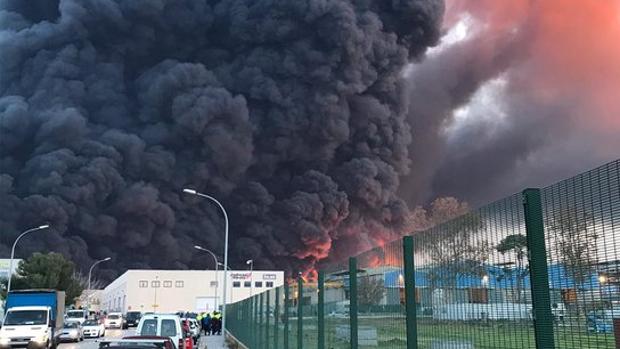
(76, 315)
(162, 325)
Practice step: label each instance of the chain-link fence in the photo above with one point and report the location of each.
(539, 269)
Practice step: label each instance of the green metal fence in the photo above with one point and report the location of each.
(538, 269)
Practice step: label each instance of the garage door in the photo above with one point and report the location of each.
(205, 304)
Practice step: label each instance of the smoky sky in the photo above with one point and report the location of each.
(522, 94)
(292, 113)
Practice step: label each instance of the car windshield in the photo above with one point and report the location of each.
(90, 323)
(71, 325)
(113, 317)
(133, 315)
(26, 317)
(75, 313)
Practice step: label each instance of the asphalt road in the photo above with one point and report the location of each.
(216, 342)
(94, 343)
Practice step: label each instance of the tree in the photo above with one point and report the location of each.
(48, 271)
(454, 251)
(575, 243)
(370, 290)
(517, 244)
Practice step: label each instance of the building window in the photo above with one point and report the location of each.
(179, 284)
(213, 284)
(247, 284)
(258, 284)
(478, 295)
(168, 284)
(236, 283)
(155, 284)
(143, 284)
(269, 284)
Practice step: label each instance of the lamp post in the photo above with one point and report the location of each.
(194, 192)
(41, 227)
(250, 262)
(90, 273)
(226, 269)
(217, 279)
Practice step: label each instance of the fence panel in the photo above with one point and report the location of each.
(336, 306)
(380, 288)
(472, 280)
(582, 222)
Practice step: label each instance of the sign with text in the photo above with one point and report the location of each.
(240, 276)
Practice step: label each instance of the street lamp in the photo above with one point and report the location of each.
(250, 262)
(217, 279)
(90, 273)
(41, 227)
(194, 192)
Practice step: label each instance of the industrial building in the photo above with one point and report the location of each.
(183, 290)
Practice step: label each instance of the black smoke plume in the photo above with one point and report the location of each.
(538, 99)
(290, 112)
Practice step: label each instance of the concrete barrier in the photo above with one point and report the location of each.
(366, 335)
(444, 344)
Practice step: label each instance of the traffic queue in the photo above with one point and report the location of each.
(181, 330)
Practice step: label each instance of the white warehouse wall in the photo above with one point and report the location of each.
(182, 290)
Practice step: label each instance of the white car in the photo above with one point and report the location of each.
(162, 325)
(93, 329)
(114, 320)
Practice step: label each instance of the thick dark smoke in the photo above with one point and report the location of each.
(524, 93)
(290, 112)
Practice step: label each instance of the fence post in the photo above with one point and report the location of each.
(541, 302)
(300, 315)
(255, 324)
(251, 321)
(321, 311)
(353, 301)
(261, 328)
(246, 320)
(268, 295)
(286, 314)
(410, 301)
(276, 318)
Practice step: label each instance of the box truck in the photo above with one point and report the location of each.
(32, 319)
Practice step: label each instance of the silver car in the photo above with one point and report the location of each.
(71, 332)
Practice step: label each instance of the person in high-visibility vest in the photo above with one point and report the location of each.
(216, 327)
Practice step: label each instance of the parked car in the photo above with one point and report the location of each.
(163, 325)
(133, 318)
(187, 334)
(93, 329)
(114, 320)
(194, 328)
(71, 332)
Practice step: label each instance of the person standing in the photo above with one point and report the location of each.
(207, 323)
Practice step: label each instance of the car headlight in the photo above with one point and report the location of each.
(40, 339)
(5, 340)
